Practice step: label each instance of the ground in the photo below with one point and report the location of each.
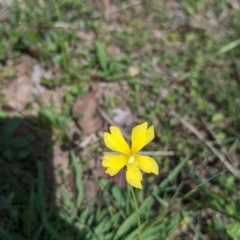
(70, 69)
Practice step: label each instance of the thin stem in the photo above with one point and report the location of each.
(136, 209)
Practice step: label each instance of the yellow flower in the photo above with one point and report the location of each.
(135, 163)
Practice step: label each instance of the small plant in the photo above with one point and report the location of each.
(108, 68)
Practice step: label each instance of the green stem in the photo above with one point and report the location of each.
(136, 209)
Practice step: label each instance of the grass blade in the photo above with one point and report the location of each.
(101, 55)
(78, 180)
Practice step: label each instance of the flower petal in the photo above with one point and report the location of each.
(114, 163)
(149, 135)
(141, 136)
(112, 171)
(116, 142)
(134, 176)
(147, 164)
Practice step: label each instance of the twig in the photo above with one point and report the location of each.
(151, 153)
(65, 25)
(217, 140)
(209, 144)
(158, 153)
(125, 7)
(120, 9)
(88, 139)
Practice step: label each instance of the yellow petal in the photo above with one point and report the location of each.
(112, 171)
(149, 135)
(147, 164)
(134, 176)
(141, 136)
(116, 142)
(114, 163)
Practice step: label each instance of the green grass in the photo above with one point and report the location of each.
(188, 60)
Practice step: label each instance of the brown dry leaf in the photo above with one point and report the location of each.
(87, 107)
(18, 92)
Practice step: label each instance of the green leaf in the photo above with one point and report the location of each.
(23, 154)
(118, 195)
(217, 117)
(63, 122)
(24, 141)
(29, 221)
(233, 229)
(3, 50)
(38, 232)
(102, 74)
(3, 114)
(113, 67)
(67, 204)
(77, 90)
(101, 55)
(48, 82)
(78, 179)
(5, 235)
(12, 126)
(49, 114)
(8, 154)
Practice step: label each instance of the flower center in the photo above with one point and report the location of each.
(131, 159)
